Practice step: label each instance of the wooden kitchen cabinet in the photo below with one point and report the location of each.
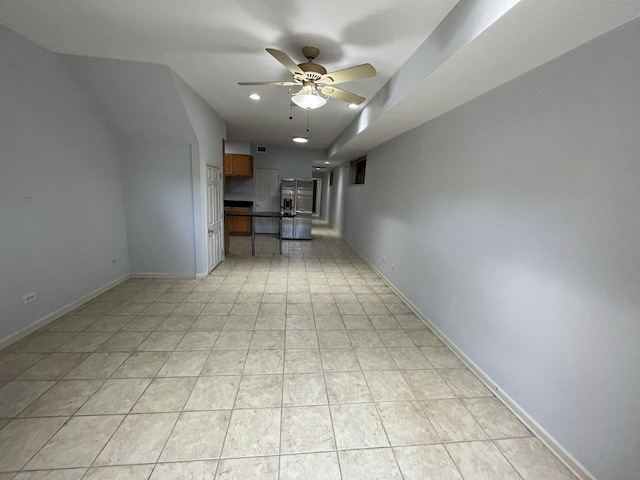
(238, 165)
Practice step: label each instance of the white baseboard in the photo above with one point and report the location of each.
(159, 275)
(14, 337)
(539, 432)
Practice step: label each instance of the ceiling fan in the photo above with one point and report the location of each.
(316, 85)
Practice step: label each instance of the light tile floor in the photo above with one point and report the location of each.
(301, 366)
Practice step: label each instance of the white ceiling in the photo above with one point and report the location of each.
(213, 44)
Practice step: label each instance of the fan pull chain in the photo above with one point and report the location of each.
(308, 110)
(290, 112)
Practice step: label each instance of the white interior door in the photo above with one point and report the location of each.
(215, 244)
(318, 188)
(266, 198)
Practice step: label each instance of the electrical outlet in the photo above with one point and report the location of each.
(393, 267)
(29, 297)
(384, 259)
(113, 261)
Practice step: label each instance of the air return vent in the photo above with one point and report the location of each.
(261, 149)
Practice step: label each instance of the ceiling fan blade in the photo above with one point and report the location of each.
(285, 60)
(284, 84)
(343, 95)
(349, 74)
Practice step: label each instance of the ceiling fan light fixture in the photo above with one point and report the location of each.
(254, 96)
(353, 105)
(308, 98)
(300, 139)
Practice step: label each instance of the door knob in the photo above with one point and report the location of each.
(210, 231)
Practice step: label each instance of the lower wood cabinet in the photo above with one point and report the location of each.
(238, 226)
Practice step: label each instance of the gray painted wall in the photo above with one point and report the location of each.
(514, 225)
(159, 208)
(56, 148)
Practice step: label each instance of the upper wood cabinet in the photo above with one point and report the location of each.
(238, 165)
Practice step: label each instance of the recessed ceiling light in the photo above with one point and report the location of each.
(317, 168)
(326, 163)
(300, 139)
(254, 96)
(353, 105)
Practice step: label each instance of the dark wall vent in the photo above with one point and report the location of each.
(261, 149)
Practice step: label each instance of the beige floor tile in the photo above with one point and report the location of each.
(426, 462)
(23, 438)
(109, 323)
(357, 322)
(427, 384)
(165, 395)
(15, 396)
(496, 420)
(233, 340)
(225, 362)
(13, 364)
(214, 393)
(267, 340)
(197, 436)
(142, 365)
(442, 357)
(358, 426)
(424, 338)
(116, 396)
(464, 383)
(42, 342)
(85, 342)
(395, 338)
(409, 358)
(372, 464)
(452, 421)
(384, 322)
(201, 470)
(329, 322)
(532, 460)
(97, 365)
(139, 439)
(259, 391)
(253, 433)
(208, 323)
(75, 323)
(264, 361)
(304, 389)
(129, 472)
(263, 468)
(64, 398)
(310, 466)
(159, 309)
(365, 338)
(189, 308)
(184, 364)
(176, 323)
(144, 323)
(240, 322)
(302, 360)
(64, 474)
(347, 387)
(375, 359)
(481, 461)
(70, 448)
(388, 385)
(271, 322)
(299, 321)
(123, 342)
(306, 429)
(334, 339)
(297, 339)
(339, 360)
(406, 423)
(161, 342)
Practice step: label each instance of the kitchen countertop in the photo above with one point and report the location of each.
(238, 203)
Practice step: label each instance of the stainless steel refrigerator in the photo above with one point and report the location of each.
(296, 195)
